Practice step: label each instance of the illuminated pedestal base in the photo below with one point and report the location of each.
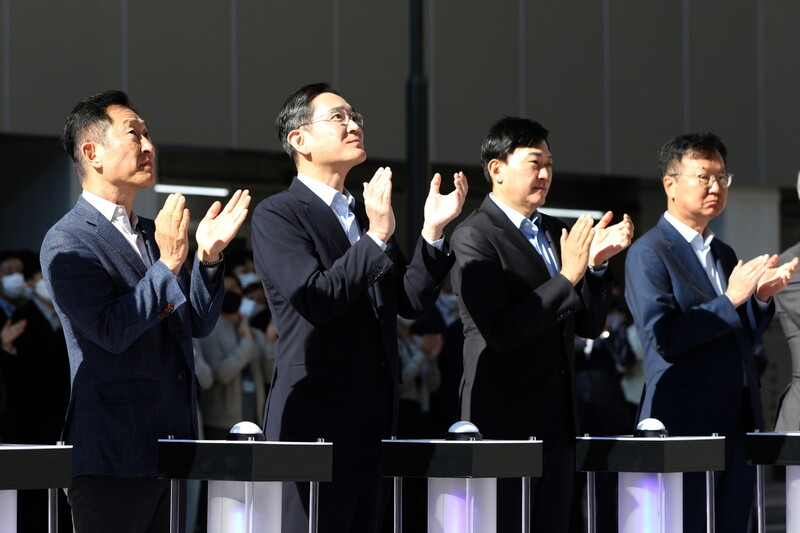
(244, 489)
(780, 449)
(246, 507)
(8, 510)
(793, 498)
(650, 474)
(32, 466)
(462, 479)
(650, 502)
(462, 505)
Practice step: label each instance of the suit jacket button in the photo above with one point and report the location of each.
(383, 364)
(182, 375)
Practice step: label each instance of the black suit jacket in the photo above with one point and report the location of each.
(335, 307)
(519, 325)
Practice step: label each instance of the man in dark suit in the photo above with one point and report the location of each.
(336, 280)
(523, 297)
(699, 312)
(787, 304)
(129, 308)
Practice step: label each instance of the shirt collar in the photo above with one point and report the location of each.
(326, 193)
(695, 239)
(111, 211)
(515, 216)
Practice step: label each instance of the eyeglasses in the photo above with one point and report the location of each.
(706, 181)
(338, 116)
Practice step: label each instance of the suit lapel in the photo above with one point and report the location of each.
(682, 253)
(106, 231)
(328, 229)
(515, 237)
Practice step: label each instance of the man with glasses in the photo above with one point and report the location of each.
(336, 280)
(699, 312)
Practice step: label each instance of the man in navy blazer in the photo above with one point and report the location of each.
(523, 296)
(129, 308)
(336, 280)
(699, 312)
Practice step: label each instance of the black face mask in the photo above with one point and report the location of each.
(231, 302)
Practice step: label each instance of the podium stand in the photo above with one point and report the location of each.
(777, 449)
(239, 475)
(462, 478)
(650, 472)
(24, 466)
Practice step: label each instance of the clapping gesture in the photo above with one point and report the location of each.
(608, 240)
(441, 209)
(219, 226)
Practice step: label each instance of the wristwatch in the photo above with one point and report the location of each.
(598, 268)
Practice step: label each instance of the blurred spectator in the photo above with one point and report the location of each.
(445, 320)
(242, 369)
(14, 289)
(420, 377)
(39, 392)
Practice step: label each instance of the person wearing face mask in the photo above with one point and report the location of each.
(238, 357)
(14, 290)
(39, 391)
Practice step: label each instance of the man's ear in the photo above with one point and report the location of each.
(91, 153)
(495, 167)
(299, 141)
(670, 183)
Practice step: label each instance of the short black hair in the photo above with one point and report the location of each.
(297, 110)
(88, 121)
(693, 145)
(506, 136)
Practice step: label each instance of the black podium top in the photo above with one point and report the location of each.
(461, 459)
(29, 466)
(773, 448)
(245, 460)
(649, 454)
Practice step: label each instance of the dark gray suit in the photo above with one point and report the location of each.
(519, 327)
(787, 303)
(336, 365)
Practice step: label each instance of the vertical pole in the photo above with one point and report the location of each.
(591, 514)
(398, 505)
(174, 503)
(760, 501)
(52, 510)
(710, 502)
(417, 125)
(526, 505)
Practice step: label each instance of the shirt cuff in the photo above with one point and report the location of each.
(438, 244)
(377, 241)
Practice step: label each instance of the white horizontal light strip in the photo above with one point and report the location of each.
(570, 213)
(190, 190)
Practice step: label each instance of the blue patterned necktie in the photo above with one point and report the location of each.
(531, 232)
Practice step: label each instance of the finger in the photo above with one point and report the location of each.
(231, 205)
(184, 225)
(605, 220)
(460, 182)
(213, 211)
(436, 183)
(180, 204)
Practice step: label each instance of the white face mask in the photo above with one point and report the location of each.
(41, 291)
(14, 286)
(248, 278)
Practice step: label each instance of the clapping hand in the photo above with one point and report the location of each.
(219, 226)
(441, 209)
(608, 240)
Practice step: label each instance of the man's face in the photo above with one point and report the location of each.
(523, 180)
(127, 154)
(331, 143)
(688, 200)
